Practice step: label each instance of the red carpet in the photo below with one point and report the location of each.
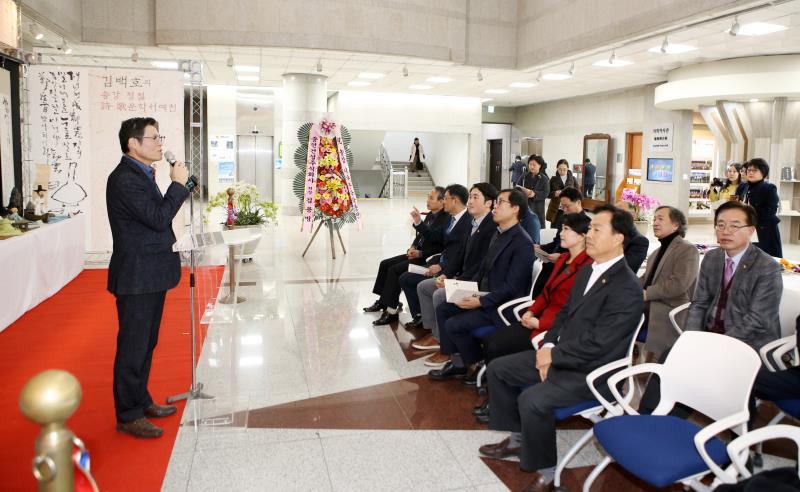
(75, 330)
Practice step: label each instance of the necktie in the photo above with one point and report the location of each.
(451, 224)
(728, 275)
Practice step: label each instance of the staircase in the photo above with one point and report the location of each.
(419, 182)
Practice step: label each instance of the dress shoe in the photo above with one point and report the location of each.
(428, 342)
(158, 411)
(471, 378)
(416, 322)
(482, 409)
(449, 371)
(437, 360)
(141, 428)
(386, 318)
(376, 306)
(500, 450)
(539, 484)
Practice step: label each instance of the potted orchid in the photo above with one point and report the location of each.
(643, 207)
(243, 207)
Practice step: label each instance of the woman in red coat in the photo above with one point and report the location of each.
(540, 316)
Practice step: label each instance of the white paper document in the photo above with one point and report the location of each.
(456, 290)
(417, 269)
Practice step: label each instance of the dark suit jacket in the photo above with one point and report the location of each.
(594, 329)
(540, 184)
(476, 247)
(636, 251)
(453, 243)
(509, 271)
(142, 260)
(763, 197)
(437, 221)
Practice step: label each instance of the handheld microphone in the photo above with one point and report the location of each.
(192, 181)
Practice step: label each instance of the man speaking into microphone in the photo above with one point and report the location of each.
(142, 269)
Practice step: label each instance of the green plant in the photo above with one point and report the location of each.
(247, 208)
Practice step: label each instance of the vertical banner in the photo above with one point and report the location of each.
(114, 96)
(59, 137)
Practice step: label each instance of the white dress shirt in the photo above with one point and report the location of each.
(599, 269)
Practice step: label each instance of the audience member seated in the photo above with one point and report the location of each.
(453, 237)
(505, 274)
(669, 279)
(387, 283)
(593, 329)
(738, 290)
(636, 250)
(431, 292)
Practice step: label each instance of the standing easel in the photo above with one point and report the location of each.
(330, 230)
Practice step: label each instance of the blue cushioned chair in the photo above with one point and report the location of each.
(710, 373)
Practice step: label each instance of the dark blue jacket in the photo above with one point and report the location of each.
(453, 243)
(142, 260)
(476, 247)
(763, 197)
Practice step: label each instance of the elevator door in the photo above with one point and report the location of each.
(254, 157)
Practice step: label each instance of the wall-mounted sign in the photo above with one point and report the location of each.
(661, 138)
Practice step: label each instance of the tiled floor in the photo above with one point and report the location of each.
(310, 396)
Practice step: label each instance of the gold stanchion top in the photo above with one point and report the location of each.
(50, 396)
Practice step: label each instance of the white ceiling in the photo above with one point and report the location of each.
(342, 67)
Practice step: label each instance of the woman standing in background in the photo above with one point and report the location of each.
(416, 158)
(734, 175)
(562, 179)
(763, 197)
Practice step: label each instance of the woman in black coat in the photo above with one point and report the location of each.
(536, 186)
(763, 197)
(562, 179)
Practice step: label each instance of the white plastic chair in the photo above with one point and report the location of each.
(546, 235)
(738, 449)
(521, 302)
(710, 373)
(674, 313)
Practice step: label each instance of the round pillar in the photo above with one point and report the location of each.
(304, 100)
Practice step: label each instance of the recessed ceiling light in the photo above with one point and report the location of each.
(616, 63)
(753, 100)
(758, 29)
(522, 85)
(438, 80)
(556, 76)
(672, 48)
(419, 87)
(170, 65)
(496, 91)
(486, 99)
(247, 78)
(370, 75)
(247, 68)
(358, 83)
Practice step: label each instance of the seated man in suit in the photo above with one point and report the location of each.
(387, 283)
(454, 238)
(505, 273)
(431, 291)
(594, 328)
(636, 250)
(738, 290)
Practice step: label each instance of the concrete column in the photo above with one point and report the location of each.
(304, 100)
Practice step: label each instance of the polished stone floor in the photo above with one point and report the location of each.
(308, 395)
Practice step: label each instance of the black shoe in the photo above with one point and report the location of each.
(416, 322)
(386, 318)
(399, 306)
(449, 371)
(471, 378)
(482, 419)
(376, 306)
(481, 409)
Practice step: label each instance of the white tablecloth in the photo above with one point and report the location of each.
(37, 264)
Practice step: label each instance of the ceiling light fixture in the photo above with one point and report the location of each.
(358, 83)
(734, 30)
(486, 99)
(522, 85)
(612, 58)
(665, 45)
(405, 71)
(672, 48)
(479, 75)
(247, 78)
(612, 61)
(371, 75)
(247, 68)
(759, 29)
(65, 47)
(319, 65)
(230, 60)
(572, 69)
(539, 77)
(556, 76)
(439, 80)
(753, 100)
(135, 56)
(496, 91)
(419, 87)
(37, 33)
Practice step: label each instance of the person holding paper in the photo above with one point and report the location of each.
(430, 291)
(505, 274)
(454, 238)
(594, 328)
(387, 283)
(536, 186)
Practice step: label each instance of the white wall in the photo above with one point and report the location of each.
(221, 121)
(446, 155)
(448, 120)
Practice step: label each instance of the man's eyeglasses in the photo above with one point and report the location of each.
(156, 138)
(721, 227)
(500, 200)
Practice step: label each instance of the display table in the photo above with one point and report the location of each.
(38, 264)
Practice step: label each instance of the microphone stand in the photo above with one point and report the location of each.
(196, 390)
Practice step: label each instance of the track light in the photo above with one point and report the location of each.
(319, 65)
(539, 77)
(135, 56)
(665, 45)
(572, 69)
(67, 49)
(479, 75)
(405, 71)
(37, 33)
(612, 58)
(734, 30)
(230, 60)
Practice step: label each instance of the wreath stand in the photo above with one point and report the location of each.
(331, 227)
